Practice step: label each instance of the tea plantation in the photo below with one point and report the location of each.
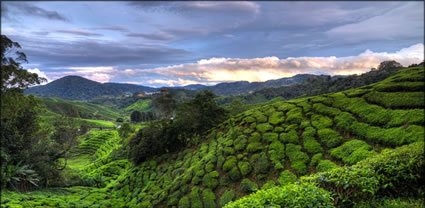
(355, 148)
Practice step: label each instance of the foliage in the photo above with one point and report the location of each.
(384, 174)
(247, 186)
(303, 195)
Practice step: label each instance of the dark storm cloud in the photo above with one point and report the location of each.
(31, 10)
(152, 36)
(79, 32)
(91, 53)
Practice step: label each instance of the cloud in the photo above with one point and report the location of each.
(40, 74)
(99, 73)
(31, 10)
(54, 53)
(152, 36)
(178, 82)
(197, 6)
(79, 32)
(262, 69)
(112, 28)
(41, 33)
(404, 22)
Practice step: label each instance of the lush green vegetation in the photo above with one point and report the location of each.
(340, 149)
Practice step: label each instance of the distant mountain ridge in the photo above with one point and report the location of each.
(79, 88)
(242, 87)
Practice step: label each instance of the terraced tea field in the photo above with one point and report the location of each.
(348, 145)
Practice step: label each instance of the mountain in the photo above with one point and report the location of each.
(244, 87)
(79, 88)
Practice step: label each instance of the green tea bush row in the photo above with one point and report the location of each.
(326, 110)
(329, 137)
(352, 151)
(292, 195)
(400, 87)
(321, 122)
(397, 99)
(397, 172)
(298, 158)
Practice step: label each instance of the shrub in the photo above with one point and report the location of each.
(270, 137)
(278, 129)
(261, 165)
(300, 167)
(398, 172)
(398, 99)
(277, 154)
(210, 180)
(286, 177)
(208, 197)
(346, 151)
(229, 164)
(291, 127)
(298, 158)
(184, 202)
(330, 137)
(321, 122)
(255, 137)
(325, 110)
(227, 197)
(261, 118)
(264, 127)
(254, 147)
(240, 143)
(229, 151)
(247, 186)
(249, 119)
(303, 195)
(312, 146)
(245, 168)
(269, 184)
(234, 174)
(325, 165)
(294, 116)
(290, 137)
(315, 159)
(276, 118)
(400, 87)
(195, 198)
(284, 106)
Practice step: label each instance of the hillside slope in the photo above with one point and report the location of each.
(275, 144)
(79, 88)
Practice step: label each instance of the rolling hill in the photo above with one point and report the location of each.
(79, 88)
(275, 144)
(346, 149)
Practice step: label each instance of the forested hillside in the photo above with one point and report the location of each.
(79, 88)
(361, 147)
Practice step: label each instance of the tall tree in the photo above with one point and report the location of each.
(13, 76)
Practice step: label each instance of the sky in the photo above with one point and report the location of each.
(180, 43)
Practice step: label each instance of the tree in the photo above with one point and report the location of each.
(388, 65)
(25, 146)
(136, 116)
(199, 114)
(125, 130)
(165, 103)
(12, 74)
